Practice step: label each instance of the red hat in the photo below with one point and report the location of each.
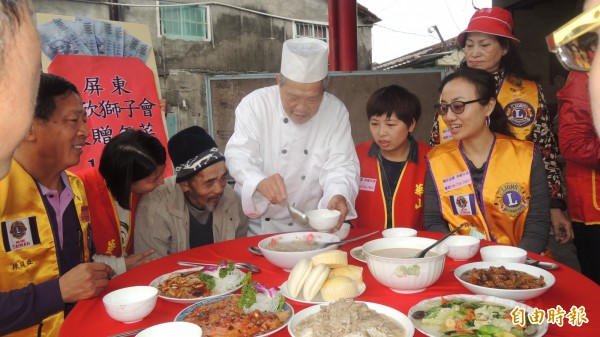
(496, 21)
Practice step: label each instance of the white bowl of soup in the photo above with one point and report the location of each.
(391, 261)
(285, 249)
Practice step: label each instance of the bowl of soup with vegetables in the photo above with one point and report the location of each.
(286, 249)
(391, 261)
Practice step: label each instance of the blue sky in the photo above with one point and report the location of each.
(404, 25)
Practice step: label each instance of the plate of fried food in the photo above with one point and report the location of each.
(195, 284)
(474, 315)
(515, 281)
(258, 312)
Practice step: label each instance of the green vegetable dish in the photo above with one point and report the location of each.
(463, 318)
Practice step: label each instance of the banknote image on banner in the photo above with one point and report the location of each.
(86, 36)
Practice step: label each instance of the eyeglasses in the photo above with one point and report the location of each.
(457, 106)
(575, 43)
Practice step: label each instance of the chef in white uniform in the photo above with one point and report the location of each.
(292, 142)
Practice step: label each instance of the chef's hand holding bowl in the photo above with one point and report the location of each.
(323, 220)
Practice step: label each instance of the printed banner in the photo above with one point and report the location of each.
(118, 93)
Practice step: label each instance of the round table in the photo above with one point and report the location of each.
(89, 318)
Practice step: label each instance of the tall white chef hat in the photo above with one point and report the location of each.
(304, 60)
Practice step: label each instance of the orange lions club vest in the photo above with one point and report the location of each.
(408, 194)
(519, 99)
(27, 250)
(501, 212)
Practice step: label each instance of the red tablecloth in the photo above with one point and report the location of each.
(89, 318)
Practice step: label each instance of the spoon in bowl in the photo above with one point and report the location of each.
(424, 251)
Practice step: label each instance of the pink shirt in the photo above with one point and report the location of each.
(59, 202)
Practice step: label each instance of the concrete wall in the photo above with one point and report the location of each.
(242, 43)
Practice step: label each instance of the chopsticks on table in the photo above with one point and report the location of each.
(127, 333)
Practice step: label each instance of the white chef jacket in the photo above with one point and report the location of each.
(316, 159)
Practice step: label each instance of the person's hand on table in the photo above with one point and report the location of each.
(338, 202)
(84, 281)
(138, 259)
(273, 188)
(561, 226)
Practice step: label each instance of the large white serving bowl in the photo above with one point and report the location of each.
(131, 304)
(287, 260)
(513, 294)
(503, 253)
(462, 247)
(179, 329)
(394, 314)
(323, 219)
(408, 275)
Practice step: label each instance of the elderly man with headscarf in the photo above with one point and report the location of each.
(194, 207)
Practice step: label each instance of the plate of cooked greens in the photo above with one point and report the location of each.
(474, 315)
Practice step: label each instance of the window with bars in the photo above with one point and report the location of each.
(184, 22)
(304, 29)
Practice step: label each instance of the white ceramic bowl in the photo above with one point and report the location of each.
(395, 315)
(287, 260)
(408, 275)
(323, 219)
(398, 232)
(179, 329)
(503, 254)
(462, 247)
(131, 304)
(513, 294)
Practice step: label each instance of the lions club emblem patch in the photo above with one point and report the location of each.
(18, 229)
(520, 114)
(512, 199)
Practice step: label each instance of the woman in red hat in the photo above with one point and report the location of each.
(489, 45)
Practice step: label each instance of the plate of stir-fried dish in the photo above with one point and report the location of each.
(195, 284)
(256, 312)
(515, 281)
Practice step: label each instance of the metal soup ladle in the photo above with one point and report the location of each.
(297, 215)
(424, 251)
